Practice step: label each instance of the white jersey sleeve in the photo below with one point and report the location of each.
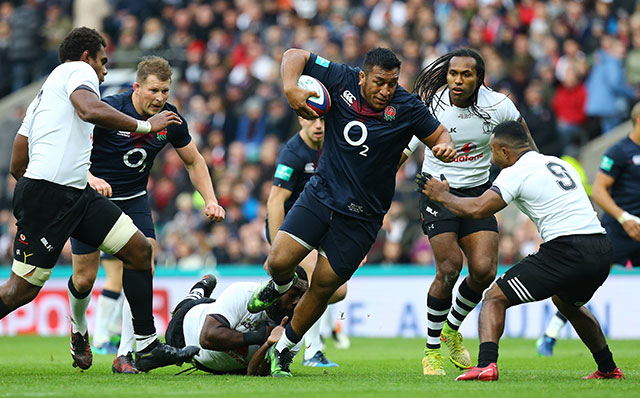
(27, 122)
(82, 75)
(549, 191)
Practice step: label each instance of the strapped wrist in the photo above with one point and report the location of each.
(625, 217)
(144, 127)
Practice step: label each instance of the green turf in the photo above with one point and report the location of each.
(41, 367)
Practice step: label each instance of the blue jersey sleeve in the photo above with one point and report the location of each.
(424, 124)
(329, 73)
(613, 162)
(289, 168)
(178, 135)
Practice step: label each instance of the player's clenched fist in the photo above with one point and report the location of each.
(445, 152)
(214, 212)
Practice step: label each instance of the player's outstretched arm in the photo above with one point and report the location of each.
(200, 178)
(258, 366)
(293, 62)
(19, 156)
(92, 110)
(441, 144)
(483, 206)
(600, 194)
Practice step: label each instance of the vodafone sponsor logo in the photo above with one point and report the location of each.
(468, 147)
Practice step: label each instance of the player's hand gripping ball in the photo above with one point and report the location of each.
(321, 104)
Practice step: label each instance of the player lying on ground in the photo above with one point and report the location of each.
(232, 340)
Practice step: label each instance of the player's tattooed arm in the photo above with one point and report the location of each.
(529, 136)
(19, 156)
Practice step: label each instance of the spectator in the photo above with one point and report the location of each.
(568, 105)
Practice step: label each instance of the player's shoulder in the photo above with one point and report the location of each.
(172, 108)
(402, 95)
(488, 98)
(119, 100)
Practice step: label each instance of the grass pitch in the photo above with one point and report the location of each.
(33, 366)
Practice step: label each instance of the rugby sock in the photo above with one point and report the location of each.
(283, 288)
(127, 338)
(466, 300)
(604, 359)
(4, 310)
(312, 340)
(115, 322)
(437, 310)
(138, 288)
(107, 302)
(78, 302)
(555, 325)
(288, 340)
(488, 354)
(146, 343)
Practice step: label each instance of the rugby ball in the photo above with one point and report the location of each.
(321, 104)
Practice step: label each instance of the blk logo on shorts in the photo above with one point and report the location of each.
(46, 244)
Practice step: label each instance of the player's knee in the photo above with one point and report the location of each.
(447, 273)
(278, 262)
(483, 278)
(83, 282)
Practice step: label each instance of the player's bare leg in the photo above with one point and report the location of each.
(448, 256)
(15, 293)
(590, 332)
(311, 306)
(286, 253)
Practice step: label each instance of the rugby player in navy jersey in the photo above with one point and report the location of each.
(120, 166)
(296, 164)
(341, 208)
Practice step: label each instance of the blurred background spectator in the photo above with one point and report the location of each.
(572, 67)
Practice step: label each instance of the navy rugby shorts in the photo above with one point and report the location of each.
(342, 239)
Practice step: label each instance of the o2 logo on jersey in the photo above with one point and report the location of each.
(130, 157)
(360, 141)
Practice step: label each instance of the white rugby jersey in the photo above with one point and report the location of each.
(59, 141)
(470, 135)
(549, 191)
(232, 304)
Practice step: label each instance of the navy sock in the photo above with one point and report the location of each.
(604, 359)
(110, 294)
(291, 335)
(75, 292)
(138, 288)
(488, 354)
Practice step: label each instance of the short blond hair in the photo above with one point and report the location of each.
(153, 65)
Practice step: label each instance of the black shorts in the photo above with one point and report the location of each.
(139, 211)
(437, 219)
(174, 335)
(624, 248)
(48, 214)
(572, 267)
(345, 240)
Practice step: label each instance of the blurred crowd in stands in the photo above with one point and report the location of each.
(571, 67)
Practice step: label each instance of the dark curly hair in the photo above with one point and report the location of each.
(79, 40)
(434, 77)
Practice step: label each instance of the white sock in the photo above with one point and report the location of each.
(143, 342)
(284, 342)
(328, 323)
(555, 326)
(283, 288)
(104, 311)
(78, 313)
(115, 322)
(127, 338)
(312, 342)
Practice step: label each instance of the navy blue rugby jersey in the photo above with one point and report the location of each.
(622, 162)
(362, 147)
(296, 164)
(124, 159)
